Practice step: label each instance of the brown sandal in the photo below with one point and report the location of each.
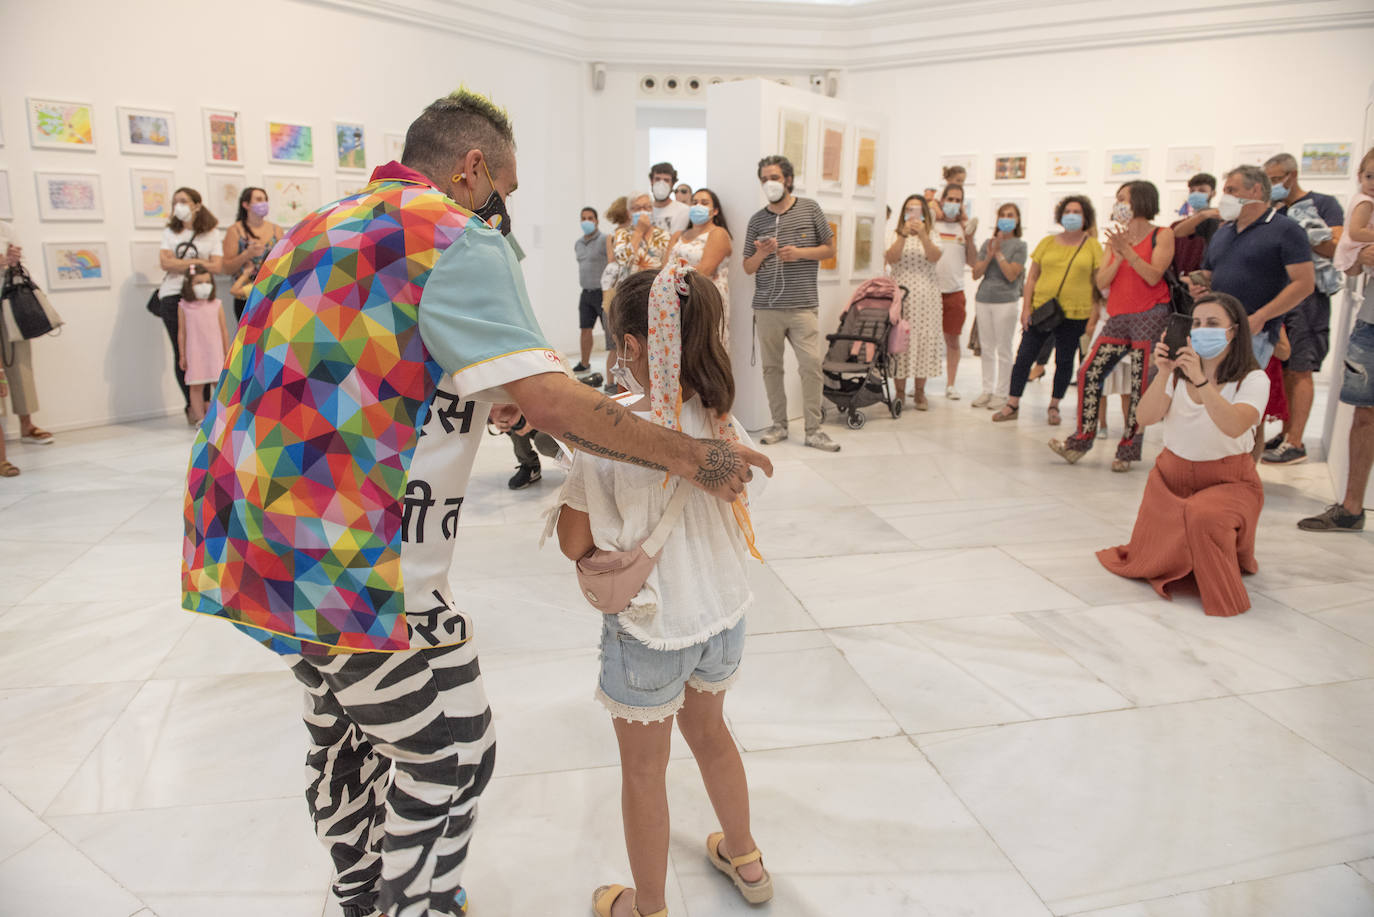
(1006, 412)
(1053, 417)
(753, 892)
(8, 470)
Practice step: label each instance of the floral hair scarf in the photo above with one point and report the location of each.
(665, 371)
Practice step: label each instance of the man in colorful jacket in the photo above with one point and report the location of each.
(327, 479)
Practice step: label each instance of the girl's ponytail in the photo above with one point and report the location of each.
(705, 362)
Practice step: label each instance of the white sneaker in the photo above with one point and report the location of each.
(822, 442)
(774, 434)
(996, 403)
(982, 400)
(952, 393)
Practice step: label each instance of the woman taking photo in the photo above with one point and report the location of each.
(911, 257)
(1138, 308)
(1202, 502)
(189, 243)
(248, 241)
(1001, 266)
(1062, 269)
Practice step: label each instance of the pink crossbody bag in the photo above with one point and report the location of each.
(610, 579)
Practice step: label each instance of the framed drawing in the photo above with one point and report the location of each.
(1068, 166)
(1254, 154)
(221, 137)
(222, 190)
(349, 140)
(866, 163)
(152, 193)
(349, 185)
(6, 207)
(832, 155)
(143, 255)
(830, 267)
(865, 226)
(794, 128)
(393, 145)
(55, 125)
(146, 130)
(1011, 167)
(1183, 162)
(69, 196)
(1123, 165)
(292, 144)
(967, 161)
(77, 265)
(291, 197)
(1325, 160)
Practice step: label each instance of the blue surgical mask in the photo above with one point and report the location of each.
(952, 209)
(588, 227)
(698, 214)
(1278, 193)
(1072, 222)
(1208, 342)
(1006, 224)
(1198, 200)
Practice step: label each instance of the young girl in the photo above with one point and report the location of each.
(676, 649)
(1359, 225)
(202, 335)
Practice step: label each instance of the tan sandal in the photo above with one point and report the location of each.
(1064, 452)
(605, 897)
(753, 892)
(8, 470)
(1005, 413)
(1053, 417)
(1120, 465)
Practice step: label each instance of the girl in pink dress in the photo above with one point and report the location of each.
(203, 335)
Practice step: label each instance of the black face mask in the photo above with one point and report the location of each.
(493, 212)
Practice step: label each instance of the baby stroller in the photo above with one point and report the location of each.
(855, 367)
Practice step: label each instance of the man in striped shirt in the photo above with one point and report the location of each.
(783, 246)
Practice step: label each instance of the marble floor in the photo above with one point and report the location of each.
(947, 707)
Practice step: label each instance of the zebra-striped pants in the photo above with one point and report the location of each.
(398, 838)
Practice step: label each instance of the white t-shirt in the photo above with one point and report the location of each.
(700, 586)
(949, 270)
(208, 245)
(1189, 431)
(672, 217)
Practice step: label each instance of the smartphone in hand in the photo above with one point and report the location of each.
(1177, 333)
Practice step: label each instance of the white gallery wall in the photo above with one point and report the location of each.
(287, 61)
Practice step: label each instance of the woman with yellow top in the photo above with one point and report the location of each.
(1062, 269)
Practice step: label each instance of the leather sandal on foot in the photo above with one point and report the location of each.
(8, 470)
(605, 897)
(753, 892)
(1005, 413)
(1053, 417)
(1064, 452)
(1120, 465)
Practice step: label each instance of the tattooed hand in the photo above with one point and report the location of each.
(723, 468)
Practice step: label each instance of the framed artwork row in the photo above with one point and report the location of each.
(845, 152)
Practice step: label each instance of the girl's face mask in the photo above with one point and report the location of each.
(621, 374)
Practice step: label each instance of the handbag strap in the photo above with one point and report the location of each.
(671, 513)
(1065, 278)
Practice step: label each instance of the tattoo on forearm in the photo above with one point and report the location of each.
(610, 409)
(720, 465)
(604, 452)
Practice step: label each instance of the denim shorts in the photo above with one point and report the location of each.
(645, 685)
(1357, 385)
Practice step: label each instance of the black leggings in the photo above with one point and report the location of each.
(1065, 339)
(170, 305)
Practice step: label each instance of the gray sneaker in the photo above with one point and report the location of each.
(1333, 519)
(1285, 454)
(774, 434)
(822, 442)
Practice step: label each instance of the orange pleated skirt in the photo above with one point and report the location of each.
(1196, 519)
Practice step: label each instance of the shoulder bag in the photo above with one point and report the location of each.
(1180, 300)
(154, 303)
(610, 579)
(27, 311)
(1050, 313)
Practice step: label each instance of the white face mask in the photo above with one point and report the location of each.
(661, 190)
(774, 191)
(621, 375)
(203, 290)
(1230, 206)
(182, 212)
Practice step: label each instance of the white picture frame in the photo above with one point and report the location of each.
(794, 142)
(1126, 164)
(349, 185)
(152, 191)
(1254, 154)
(1326, 160)
(146, 131)
(861, 267)
(1183, 162)
(868, 161)
(1011, 169)
(145, 260)
(61, 125)
(393, 146)
(1066, 167)
(291, 197)
(222, 129)
(969, 162)
(222, 190)
(77, 265)
(831, 274)
(6, 203)
(831, 150)
(290, 143)
(350, 146)
(69, 197)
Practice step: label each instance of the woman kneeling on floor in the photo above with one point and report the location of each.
(1202, 502)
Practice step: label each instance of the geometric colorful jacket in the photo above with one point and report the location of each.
(326, 481)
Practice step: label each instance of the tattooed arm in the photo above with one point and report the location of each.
(587, 420)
